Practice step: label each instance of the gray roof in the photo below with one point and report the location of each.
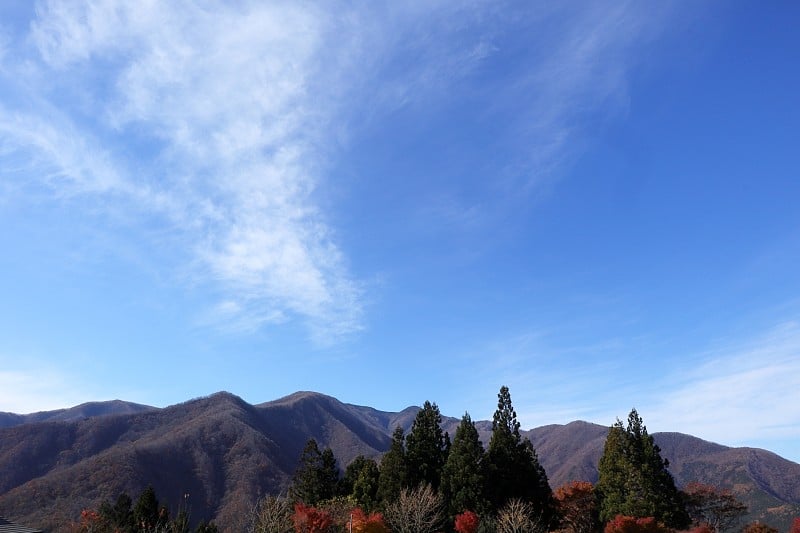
(7, 526)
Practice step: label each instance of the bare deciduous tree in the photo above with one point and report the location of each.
(517, 516)
(416, 510)
(272, 514)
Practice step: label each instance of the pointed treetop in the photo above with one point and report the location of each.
(505, 418)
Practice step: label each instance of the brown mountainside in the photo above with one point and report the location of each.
(85, 410)
(224, 453)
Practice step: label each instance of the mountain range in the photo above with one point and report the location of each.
(218, 454)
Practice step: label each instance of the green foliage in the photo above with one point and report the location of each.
(463, 477)
(120, 514)
(392, 474)
(317, 476)
(427, 447)
(513, 470)
(147, 514)
(361, 478)
(634, 480)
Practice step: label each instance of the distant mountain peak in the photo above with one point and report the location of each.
(219, 444)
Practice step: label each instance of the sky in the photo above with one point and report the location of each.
(593, 203)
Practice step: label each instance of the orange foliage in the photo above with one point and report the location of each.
(758, 527)
(90, 522)
(630, 524)
(795, 526)
(307, 519)
(702, 528)
(578, 506)
(467, 522)
(364, 523)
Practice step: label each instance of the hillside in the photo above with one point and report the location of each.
(84, 410)
(224, 453)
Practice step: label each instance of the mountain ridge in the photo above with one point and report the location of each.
(226, 452)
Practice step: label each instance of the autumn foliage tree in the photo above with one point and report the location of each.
(90, 522)
(467, 522)
(632, 524)
(577, 506)
(708, 505)
(758, 527)
(795, 526)
(308, 519)
(368, 523)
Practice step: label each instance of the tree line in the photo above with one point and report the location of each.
(428, 483)
(147, 515)
(461, 485)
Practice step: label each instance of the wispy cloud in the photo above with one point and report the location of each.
(746, 393)
(30, 390)
(229, 142)
(221, 119)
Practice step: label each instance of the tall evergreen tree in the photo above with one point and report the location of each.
(361, 482)
(634, 479)
(147, 514)
(426, 448)
(317, 476)
(392, 474)
(463, 476)
(513, 470)
(328, 475)
(120, 515)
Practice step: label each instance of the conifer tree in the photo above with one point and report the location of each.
(426, 448)
(634, 479)
(147, 514)
(119, 515)
(328, 475)
(513, 469)
(463, 476)
(392, 474)
(361, 482)
(317, 476)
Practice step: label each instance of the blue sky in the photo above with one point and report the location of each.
(594, 203)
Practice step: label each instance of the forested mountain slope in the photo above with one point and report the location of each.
(224, 453)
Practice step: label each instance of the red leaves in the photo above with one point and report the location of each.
(307, 519)
(364, 523)
(578, 506)
(467, 522)
(630, 524)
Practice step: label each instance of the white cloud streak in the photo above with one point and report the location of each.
(219, 95)
(220, 118)
(738, 395)
(33, 390)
